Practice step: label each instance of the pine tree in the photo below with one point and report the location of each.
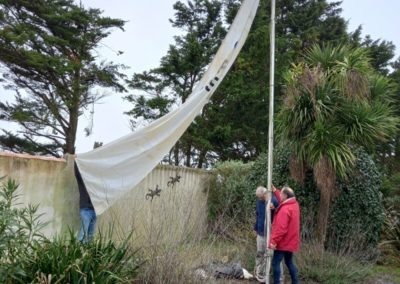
(47, 51)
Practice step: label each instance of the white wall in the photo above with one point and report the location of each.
(179, 211)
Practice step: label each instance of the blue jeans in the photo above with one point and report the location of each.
(88, 224)
(277, 259)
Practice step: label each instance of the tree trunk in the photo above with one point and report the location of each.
(325, 178)
(188, 154)
(297, 169)
(70, 136)
(202, 158)
(176, 154)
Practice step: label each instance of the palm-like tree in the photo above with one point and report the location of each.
(334, 102)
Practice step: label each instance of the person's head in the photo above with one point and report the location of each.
(261, 193)
(286, 193)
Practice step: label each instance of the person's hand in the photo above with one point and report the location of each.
(273, 188)
(272, 246)
(271, 206)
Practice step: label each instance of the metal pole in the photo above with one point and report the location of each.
(270, 139)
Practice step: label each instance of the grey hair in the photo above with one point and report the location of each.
(261, 190)
(288, 191)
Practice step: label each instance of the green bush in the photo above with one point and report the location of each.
(390, 238)
(66, 260)
(229, 198)
(18, 227)
(391, 185)
(358, 211)
(26, 256)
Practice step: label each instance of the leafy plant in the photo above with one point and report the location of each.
(18, 227)
(27, 256)
(66, 260)
(390, 238)
(229, 198)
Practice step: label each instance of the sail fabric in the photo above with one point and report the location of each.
(114, 169)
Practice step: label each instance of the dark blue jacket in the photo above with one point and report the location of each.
(260, 214)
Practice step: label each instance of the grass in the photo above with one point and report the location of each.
(392, 272)
(175, 264)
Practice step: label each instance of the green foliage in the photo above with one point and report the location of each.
(358, 210)
(328, 107)
(229, 197)
(381, 51)
(390, 238)
(26, 256)
(391, 185)
(66, 260)
(18, 228)
(47, 51)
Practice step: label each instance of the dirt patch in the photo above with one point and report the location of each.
(382, 279)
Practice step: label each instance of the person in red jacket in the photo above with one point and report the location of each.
(285, 233)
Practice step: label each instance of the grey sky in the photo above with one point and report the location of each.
(148, 34)
(379, 18)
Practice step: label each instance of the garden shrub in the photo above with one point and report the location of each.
(358, 211)
(27, 256)
(18, 227)
(229, 198)
(66, 260)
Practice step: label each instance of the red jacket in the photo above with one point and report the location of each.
(285, 233)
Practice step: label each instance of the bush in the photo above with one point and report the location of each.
(18, 228)
(230, 200)
(66, 260)
(390, 238)
(391, 185)
(26, 256)
(359, 208)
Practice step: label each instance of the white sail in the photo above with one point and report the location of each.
(116, 168)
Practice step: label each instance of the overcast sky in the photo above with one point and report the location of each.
(148, 34)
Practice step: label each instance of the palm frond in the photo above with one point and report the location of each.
(325, 56)
(382, 88)
(365, 124)
(327, 141)
(352, 73)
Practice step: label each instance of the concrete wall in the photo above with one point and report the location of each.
(178, 212)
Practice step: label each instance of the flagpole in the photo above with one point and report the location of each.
(270, 140)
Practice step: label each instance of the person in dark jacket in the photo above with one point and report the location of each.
(86, 210)
(261, 194)
(285, 233)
